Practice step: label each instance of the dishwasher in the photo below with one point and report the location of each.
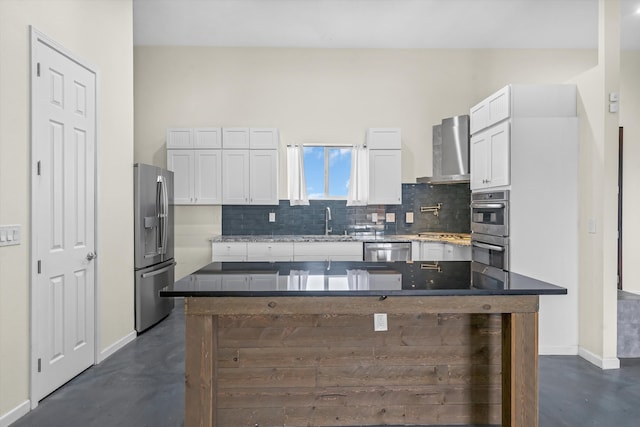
(386, 251)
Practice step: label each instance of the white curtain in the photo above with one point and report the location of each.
(359, 179)
(295, 171)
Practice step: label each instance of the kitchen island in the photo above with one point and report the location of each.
(296, 344)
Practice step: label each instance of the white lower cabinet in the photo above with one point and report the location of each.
(286, 251)
(269, 251)
(440, 251)
(228, 251)
(327, 251)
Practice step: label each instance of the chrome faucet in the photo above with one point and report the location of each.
(327, 218)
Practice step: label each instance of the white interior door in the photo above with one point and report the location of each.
(63, 217)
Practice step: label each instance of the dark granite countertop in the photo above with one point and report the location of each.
(249, 279)
(462, 239)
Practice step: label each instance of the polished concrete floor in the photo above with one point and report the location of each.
(143, 385)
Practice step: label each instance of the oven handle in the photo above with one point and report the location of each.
(487, 205)
(486, 246)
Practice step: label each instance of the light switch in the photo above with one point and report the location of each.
(272, 217)
(374, 217)
(391, 217)
(591, 224)
(9, 235)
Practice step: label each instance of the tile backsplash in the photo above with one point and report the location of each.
(453, 217)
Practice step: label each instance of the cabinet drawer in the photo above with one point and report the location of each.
(322, 251)
(229, 251)
(270, 251)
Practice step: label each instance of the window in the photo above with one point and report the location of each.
(326, 171)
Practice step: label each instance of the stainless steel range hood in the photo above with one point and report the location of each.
(450, 152)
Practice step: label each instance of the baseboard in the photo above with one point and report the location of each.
(16, 413)
(602, 363)
(558, 350)
(116, 346)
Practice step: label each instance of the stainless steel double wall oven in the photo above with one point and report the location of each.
(490, 235)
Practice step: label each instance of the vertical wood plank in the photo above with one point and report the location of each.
(520, 369)
(200, 371)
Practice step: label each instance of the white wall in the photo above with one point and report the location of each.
(100, 32)
(629, 120)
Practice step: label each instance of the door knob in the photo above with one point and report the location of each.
(91, 256)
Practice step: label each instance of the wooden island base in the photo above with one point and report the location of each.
(317, 361)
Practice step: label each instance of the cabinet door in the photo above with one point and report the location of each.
(479, 160)
(235, 177)
(235, 138)
(385, 177)
(263, 138)
(181, 162)
(499, 161)
(499, 106)
(478, 117)
(384, 138)
(207, 138)
(263, 177)
(179, 138)
(208, 177)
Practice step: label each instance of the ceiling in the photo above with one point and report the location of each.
(378, 23)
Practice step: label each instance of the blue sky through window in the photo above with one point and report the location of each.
(331, 162)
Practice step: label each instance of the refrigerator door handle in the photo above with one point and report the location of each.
(160, 271)
(161, 209)
(164, 213)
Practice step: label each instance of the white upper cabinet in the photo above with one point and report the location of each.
(491, 110)
(263, 177)
(384, 138)
(263, 138)
(235, 177)
(235, 138)
(181, 162)
(208, 177)
(250, 166)
(207, 138)
(490, 158)
(523, 100)
(190, 138)
(385, 177)
(385, 166)
(196, 176)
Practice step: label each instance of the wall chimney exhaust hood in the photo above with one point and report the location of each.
(450, 152)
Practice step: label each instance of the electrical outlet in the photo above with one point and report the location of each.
(380, 322)
(408, 218)
(390, 217)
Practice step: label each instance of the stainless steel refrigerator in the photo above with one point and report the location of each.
(153, 243)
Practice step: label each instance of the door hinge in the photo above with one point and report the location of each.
(38, 69)
(38, 166)
(39, 365)
(39, 266)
